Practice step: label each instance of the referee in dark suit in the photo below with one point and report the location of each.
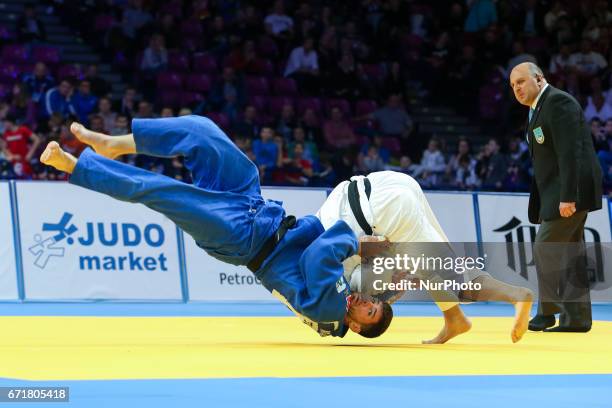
(566, 186)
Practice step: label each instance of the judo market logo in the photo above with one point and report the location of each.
(56, 238)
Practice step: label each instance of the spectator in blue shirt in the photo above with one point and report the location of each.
(84, 101)
(481, 15)
(383, 152)
(266, 152)
(38, 81)
(59, 100)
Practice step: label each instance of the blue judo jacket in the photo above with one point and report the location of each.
(305, 272)
(226, 215)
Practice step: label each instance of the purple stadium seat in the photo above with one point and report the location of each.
(267, 47)
(9, 72)
(170, 97)
(197, 82)
(411, 42)
(259, 102)
(362, 139)
(137, 61)
(174, 8)
(205, 63)
(265, 118)
(264, 67)
(309, 103)
(281, 64)
(393, 144)
(69, 71)
(5, 90)
(103, 22)
(121, 60)
(276, 103)
(27, 68)
(535, 45)
(191, 43)
(490, 101)
(14, 54)
(365, 106)
(191, 28)
(284, 87)
(361, 125)
(343, 104)
(5, 33)
(178, 61)
(48, 55)
(257, 85)
(169, 80)
(373, 71)
(220, 119)
(190, 98)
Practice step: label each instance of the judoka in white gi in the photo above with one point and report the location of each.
(398, 210)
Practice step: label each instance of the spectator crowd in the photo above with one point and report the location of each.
(312, 91)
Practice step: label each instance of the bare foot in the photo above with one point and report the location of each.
(522, 308)
(455, 323)
(101, 143)
(54, 156)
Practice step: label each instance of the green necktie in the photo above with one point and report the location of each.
(531, 110)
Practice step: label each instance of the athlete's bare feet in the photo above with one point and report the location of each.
(455, 323)
(103, 144)
(522, 307)
(54, 156)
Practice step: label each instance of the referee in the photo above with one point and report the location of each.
(566, 185)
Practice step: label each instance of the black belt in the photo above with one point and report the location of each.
(353, 197)
(287, 223)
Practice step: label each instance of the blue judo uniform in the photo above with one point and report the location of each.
(227, 217)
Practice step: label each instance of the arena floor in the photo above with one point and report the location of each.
(230, 355)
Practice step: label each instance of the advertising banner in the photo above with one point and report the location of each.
(82, 245)
(455, 213)
(504, 219)
(8, 267)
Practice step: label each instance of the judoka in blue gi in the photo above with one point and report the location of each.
(299, 261)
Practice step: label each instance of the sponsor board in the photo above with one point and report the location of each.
(455, 213)
(503, 218)
(81, 245)
(8, 266)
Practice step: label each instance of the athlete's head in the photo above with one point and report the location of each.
(367, 316)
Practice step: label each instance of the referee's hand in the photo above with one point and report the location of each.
(567, 209)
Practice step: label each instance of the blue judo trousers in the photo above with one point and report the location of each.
(226, 215)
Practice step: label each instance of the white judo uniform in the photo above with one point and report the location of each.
(398, 210)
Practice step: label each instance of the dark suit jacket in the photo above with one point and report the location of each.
(565, 165)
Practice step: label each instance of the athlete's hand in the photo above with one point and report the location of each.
(567, 209)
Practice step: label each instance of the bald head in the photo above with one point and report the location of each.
(526, 80)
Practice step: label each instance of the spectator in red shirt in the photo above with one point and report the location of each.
(337, 131)
(298, 170)
(6, 169)
(244, 58)
(21, 143)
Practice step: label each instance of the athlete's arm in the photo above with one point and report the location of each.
(321, 267)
